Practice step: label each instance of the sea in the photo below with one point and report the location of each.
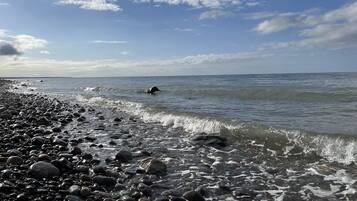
(316, 111)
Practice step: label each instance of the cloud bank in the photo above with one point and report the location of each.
(334, 29)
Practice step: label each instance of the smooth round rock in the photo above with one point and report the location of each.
(43, 169)
(193, 196)
(124, 156)
(14, 160)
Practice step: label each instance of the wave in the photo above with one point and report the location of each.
(337, 148)
(91, 89)
(276, 93)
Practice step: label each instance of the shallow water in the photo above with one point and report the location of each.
(265, 160)
(315, 111)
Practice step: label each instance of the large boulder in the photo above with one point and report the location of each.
(43, 169)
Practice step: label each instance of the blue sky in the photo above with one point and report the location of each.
(176, 37)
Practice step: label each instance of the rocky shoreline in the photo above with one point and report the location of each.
(59, 149)
(40, 158)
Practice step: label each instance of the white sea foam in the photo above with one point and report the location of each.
(332, 148)
(189, 123)
(91, 89)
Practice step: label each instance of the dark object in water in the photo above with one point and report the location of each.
(153, 89)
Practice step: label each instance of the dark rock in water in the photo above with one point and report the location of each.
(104, 181)
(14, 160)
(43, 170)
(211, 140)
(74, 190)
(154, 166)
(87, 156)
(99, 169)
(117, 119)
(193, 196)
(85, 191)
(81, 119)
(72, 198)
(43, 121)
(152, 90)
(76, 151)
(124, 156)
(5, 188)
(56, 130)
(177, 199)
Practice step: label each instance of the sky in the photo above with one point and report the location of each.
(176, 37)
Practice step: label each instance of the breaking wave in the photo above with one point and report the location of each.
(337, 148)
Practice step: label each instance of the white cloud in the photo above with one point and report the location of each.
(27, 42)
(275, 25)
(109, 41)
(17, 44)
(50, 67)
(195, 3)
(214, 14)
(99, 5)
(46, 52)
(334, 29)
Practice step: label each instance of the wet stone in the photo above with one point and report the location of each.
(104, 181)
(124, 156)
(14, 160)
(154, 166)
(43, 170)
(193, 196)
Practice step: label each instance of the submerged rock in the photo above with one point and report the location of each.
(154, 166)
(211, 140)
(124, 156)
(193, 196)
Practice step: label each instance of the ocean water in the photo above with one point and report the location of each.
(318, 112)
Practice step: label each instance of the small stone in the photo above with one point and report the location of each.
(117, 119)
(124, 156)
(104, 181)
(154, 166)
(14, 160)
(43, 170)
(193, 196)
(76, 151)
(22, 197)
(56, 130)
(74, 190)
(85, 191)
(72, 198)
(44, 157)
